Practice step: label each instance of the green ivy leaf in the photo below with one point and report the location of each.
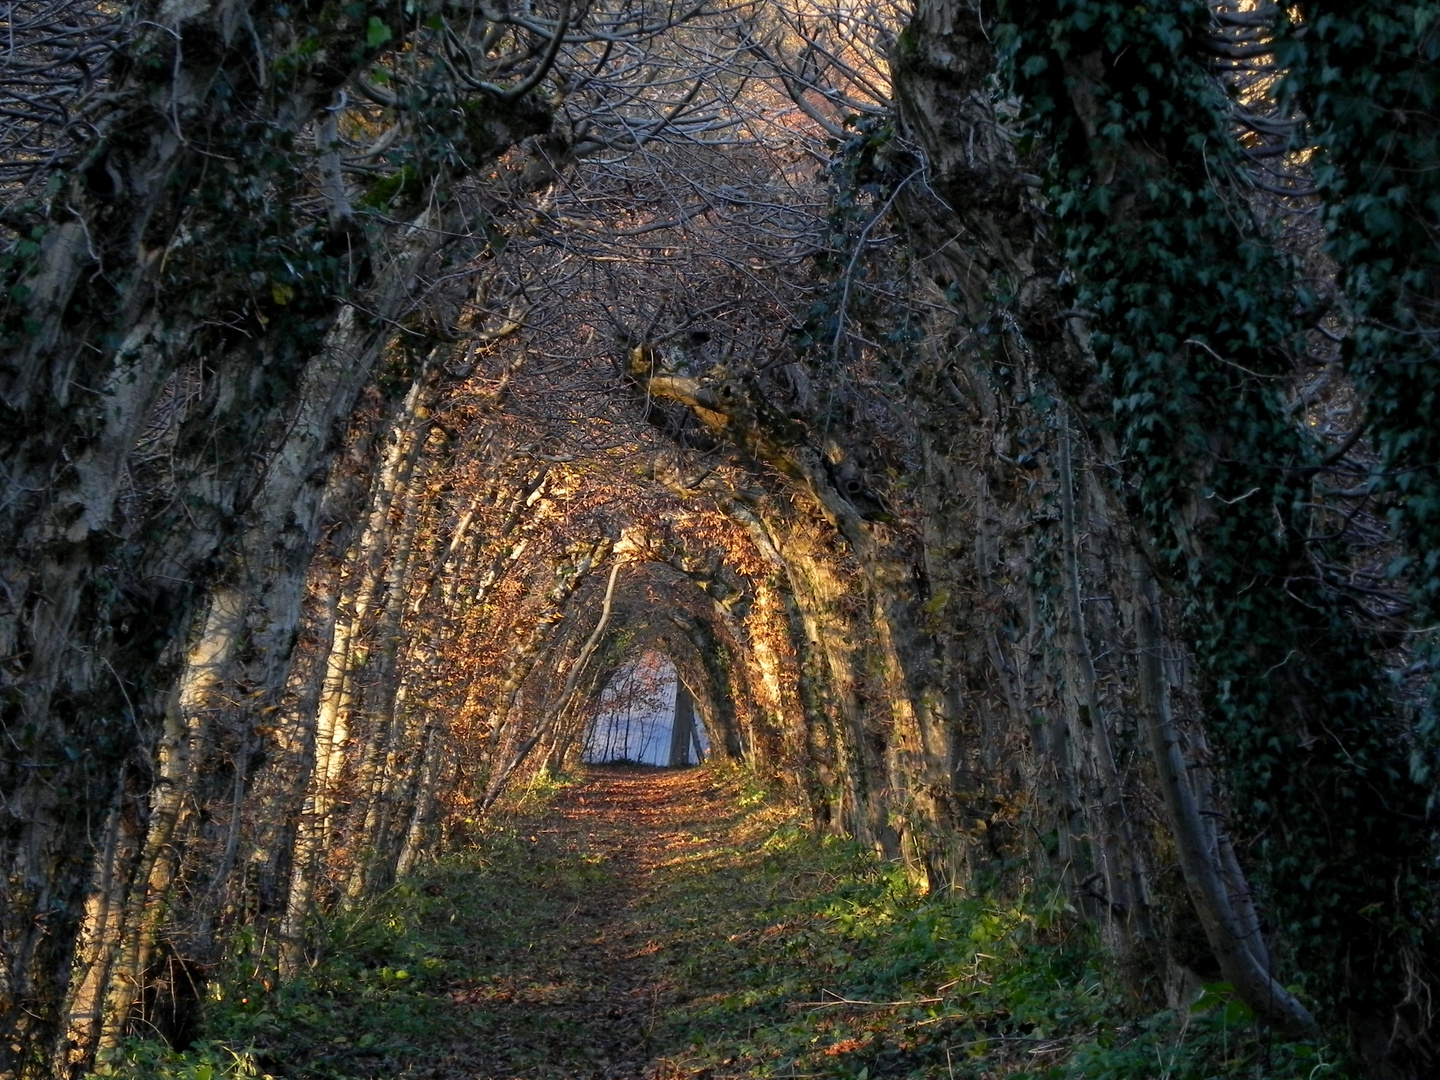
(376, 33)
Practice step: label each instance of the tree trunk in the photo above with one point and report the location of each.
(682, 726)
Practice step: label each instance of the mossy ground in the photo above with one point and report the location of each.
(667, 925)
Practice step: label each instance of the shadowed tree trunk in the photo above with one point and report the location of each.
(155, 297)
(682, 727)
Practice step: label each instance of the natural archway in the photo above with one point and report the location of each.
(961, 399)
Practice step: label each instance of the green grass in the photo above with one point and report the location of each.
(843, 970)
(390, 989)
(751, 950)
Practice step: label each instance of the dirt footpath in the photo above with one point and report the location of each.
(575, 972)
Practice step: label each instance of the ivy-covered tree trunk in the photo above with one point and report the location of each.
(1174, 338)
(92, 350)
(1364, 79)
(166, 301)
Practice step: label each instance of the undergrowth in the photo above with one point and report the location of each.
(377, 998)
(846, 971)
(749, 949)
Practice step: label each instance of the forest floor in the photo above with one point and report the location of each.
(601, 911)
(653, 924)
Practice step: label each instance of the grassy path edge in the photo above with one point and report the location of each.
(663, 925)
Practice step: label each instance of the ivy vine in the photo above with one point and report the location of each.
(1365, 77)
(1196, 315)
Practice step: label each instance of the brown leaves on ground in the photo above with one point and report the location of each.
(581, 999)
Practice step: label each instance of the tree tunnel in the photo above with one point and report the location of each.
(988, 464)
(641, 605)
